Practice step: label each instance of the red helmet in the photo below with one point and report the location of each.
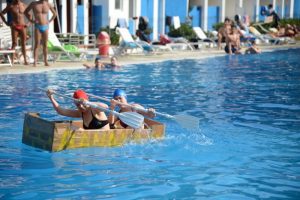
(80, 94)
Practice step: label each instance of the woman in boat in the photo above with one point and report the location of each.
(92, 118)
(120, 100)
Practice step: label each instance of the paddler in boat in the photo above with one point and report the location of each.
(120, 96)
(92, 118)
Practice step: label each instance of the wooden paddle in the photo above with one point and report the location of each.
(132, 119)
(186, 121)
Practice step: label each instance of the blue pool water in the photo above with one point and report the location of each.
(247, 146)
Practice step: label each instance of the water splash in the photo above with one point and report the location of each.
(199, 138)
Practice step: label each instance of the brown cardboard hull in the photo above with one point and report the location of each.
(60, 135)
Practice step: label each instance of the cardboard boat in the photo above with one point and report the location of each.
(60, 135)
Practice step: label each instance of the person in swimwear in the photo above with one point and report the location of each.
(98, 65)
(233, 44)
(253, 49)
(40, 11)
(92, 118)
(101, 66)
(120, 96)
(18, 25)
(113, 63)
(223, 31)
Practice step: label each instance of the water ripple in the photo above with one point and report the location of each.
(247, 146)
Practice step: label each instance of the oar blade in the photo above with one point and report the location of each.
(132, 119)
(188, 121)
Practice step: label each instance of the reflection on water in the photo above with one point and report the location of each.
(249, 113)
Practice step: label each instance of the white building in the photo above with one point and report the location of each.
(88, 16)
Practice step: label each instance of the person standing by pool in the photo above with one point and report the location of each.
(18, 25)
(120, 100)
(233, 44)
(92, 118)
(40, 11)
(223, 31)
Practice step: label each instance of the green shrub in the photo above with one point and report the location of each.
(185, 31)
(114, 37)
(217, 26)
(284, 22)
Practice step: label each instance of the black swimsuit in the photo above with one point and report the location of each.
(122, 123)
(95, 123)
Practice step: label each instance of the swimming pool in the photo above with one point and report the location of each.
(247, 146)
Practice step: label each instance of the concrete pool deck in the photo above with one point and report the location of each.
(132, 59)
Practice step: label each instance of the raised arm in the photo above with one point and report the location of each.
(88, 66)
(2, 13)
(60, 110)
(53, 12)
(111, 118)
(28, 22)
(103, 105)
(27, 13)
(150, 112)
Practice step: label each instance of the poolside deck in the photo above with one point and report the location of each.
(133, 59)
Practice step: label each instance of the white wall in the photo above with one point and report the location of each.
(212, 3)
(155, 20)
(215, 2)
(124, 13)
(73, 14)
(64, 16)
(219, 3)
(266, 2)
(249, 9)
(230, 9)
(109, 11)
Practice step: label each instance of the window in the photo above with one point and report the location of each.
(118, 4)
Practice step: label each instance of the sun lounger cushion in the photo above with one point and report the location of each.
(176, 21)
(71, 48)
(254, 30)
(273, 30)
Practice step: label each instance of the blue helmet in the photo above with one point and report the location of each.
(119, 93)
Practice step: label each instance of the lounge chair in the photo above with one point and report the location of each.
(5, 39)
(129, 45)
(283, 36)
(5, 47)
(175, 43)
(5, 44)
(246, 37)
(203, 37)
(71, 52)
(265, 38)
(267, 20)
(6, 55)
